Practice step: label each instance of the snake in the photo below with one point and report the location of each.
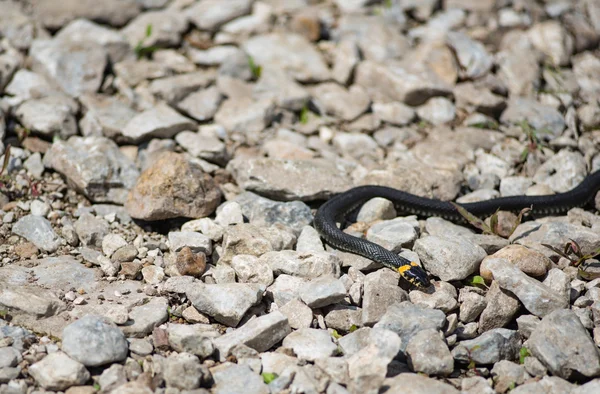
(340, 205)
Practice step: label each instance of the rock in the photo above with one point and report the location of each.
(143, 318)
(196, 339)
(347, 104)
(310, 344)
(564, 346)
(38, 231)
(231, 378)
(586, 68)
(285, 288)
(322, 291)
(507, 374)
(252, 240)
(105, 115)
(546, 384)
(344, 318)
(412, 85)
(260, 334)
(193, 240)
(160, 121)
(290, 52)
(303, 265)
(489, 348)
(112, 377)
(562, 172)
(62, 61)
(502, 305)
(394, 113)
(49, 116)
(93, 341)
(443, 297)
(53, 17)
(472, 304)
(172, 89)
(381, 290)
(358, 146)
(557, 234)
(472, 56)
(406, 320)
(201, 105)
(183, 371)
(203, 146)
(395, 234)
(537, 298)
(210, 15)
(413, 384)
(227, 302)
(531, 262)
(95, 166)
(277, 86)
(58, 372)
(376, 209)
(82, 31)
(309, 241)
(168, 27)
(249, 269)
(91, 230)
(449, 259)
(428, 353)
(298, 314)
(544, 33)
(264, 212)
(162, 192)
(538, 116)
(437, 111)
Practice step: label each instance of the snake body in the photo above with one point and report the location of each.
(340, 205)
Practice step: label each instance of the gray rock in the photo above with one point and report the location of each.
(246, 238)
(562, 172)
(564, 346)
(49, 116)
(427, 352)
(232, 378)
(172, 89)
(54, 17)
(260, 334)
(226, 303)
(507, 374)
(437, 111)
(502, 305)
(527, 324)
(9, 357)
(104, 115)
(278, 86)
(210, 15)
(298, 314)
(539, 116)
(201, 105)
(322, 291)
(27, 85)
(489, 348)
(95, 166)
(537, 298)
(344, 318)
(534, 367)
(183, 371)
(38, 231)
(519, 67)
(168, 26)
(62, 61)
(203, 145)
(245, 114)
(406, 320)
(31, 300)
(346, 104)
(310, 344)
(265, 212)
(394, 234)
(277, 178)
(249, 269)
(309, 241)
(544, 33)
(94, 341)
(285, 288)
(91, 230)
(141, 347)
(303, 265)
(16, 26)
(471, 305)
(557, 234)
(195, 241)
(57, 371)
(548, 384)
(290, 52)
(112, 377)
(143, 318)
(161, 121)
(196, 339)
(376, 209)
(586, 68)
(413, 383)
(443, 297)
(449, 259)
(381, 290)
(346, 57)
(472, 56)
(412, 85)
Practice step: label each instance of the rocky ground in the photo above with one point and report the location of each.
(164, 158)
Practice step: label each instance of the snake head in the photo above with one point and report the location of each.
(415, 274)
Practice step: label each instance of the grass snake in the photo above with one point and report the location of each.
(342, 204)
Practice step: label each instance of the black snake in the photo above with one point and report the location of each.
(340, 205)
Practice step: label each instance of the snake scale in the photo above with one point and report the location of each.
(342, 204)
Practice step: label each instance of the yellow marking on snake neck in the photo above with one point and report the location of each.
(412, 263)
(404, 268)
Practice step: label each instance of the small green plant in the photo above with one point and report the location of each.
(304, 113)
(353, 328)
(477, 281)
(492, 228)
(97, 386)
(254, 68)
(268, 377)
(534, 142)
(472, 365)
(145, 50)
(523, 353)
(335, 334)
(572, 252)
(3, 313)
(489, 125)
